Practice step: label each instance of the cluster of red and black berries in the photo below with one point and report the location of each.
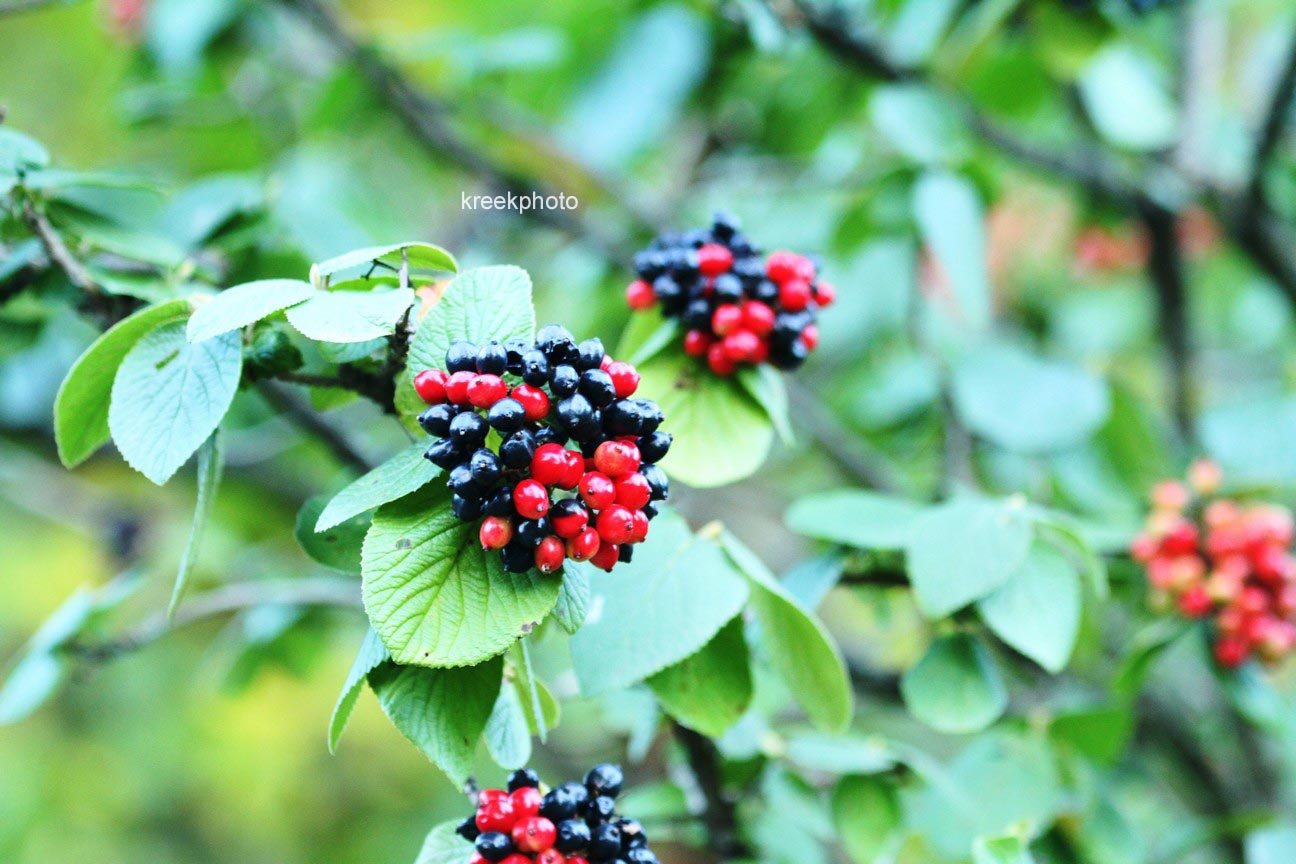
(540, 501)
(737, 307)
(1216, 558)
(575, 823)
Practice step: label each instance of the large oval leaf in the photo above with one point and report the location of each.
(244, 304)
(478, 305)
(854, 517)
(1037, 611)
(350, 316)
(435, 596)
(955, 687)
(710, 690)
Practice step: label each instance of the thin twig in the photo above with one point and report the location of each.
(841, 444)
(1166, 272)
(720, 816)
(1271, 129)
(58, 251)
(309, 421)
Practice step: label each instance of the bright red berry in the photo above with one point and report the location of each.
(720, 361)
(531, 499)
(781, 266)
(639, 531)
(794, 295)
(573, 468)
(616, 525)
(625, 378)
(757, 317)
(633, 491)
(534, 834)
(549, 555)
(804, 268)
(569, 521)
(549, 463)
(584, 545)
(824, 293)
(495, 814)
(476, 858)
(430, 386)
(639, 295)
(1231, 651)
(696, 343)
(534, 401)
(515, 858)
(714, 259)
(550, 856)
(597, 489)
(490, 797)
(726, 319)
(761, 354)
(496, 532)
(810, 337)
(606, 558)
(741, 345)
(456, 387)
(526, 801)
(1195, 602)
(485, 390)
(616, 458)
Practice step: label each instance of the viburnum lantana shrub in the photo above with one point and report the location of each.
(1225, 561)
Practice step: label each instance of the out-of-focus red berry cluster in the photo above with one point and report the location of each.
(1214, 558)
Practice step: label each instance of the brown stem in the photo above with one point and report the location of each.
(720, 816)
(1166, 272)
(319, 427)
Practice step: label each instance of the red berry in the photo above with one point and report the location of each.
(824, 293)
(549, 463)
(719, 360)
(714, 259)
(804, 268)
(1195, 602)
(515, 858)
(757, 317)
(495, 814)
(531, 499)
(696, 343)
(726, 319)
(616, 525)
(781, 266)
(575, 859)
(496, 532)
(584, 545)
(761, 354)
(430, 386)
(625, 378)
(1231, 651)
(606, 557)
(549, 555)
(456, 387)
(639, 295)
(639, 532)
(534, 834)
(633, 491)
(1182, 539)
(485, 390)
(794, 295)
(534, 401)
(550, 856)
(526, 801)
(597, 490)
(616, 458)
(490, 797)
(476, 858)
(810, 337)
(741, 345)
(573, 468)
(569, 521)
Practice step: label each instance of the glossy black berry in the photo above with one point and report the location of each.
(563, 380)
(766, 292)
(638, 854)
(632, 834)
(513, 351)
(468, 829)
(518, 448)
(657, 481)
(530, 532)
(596, 386)
(650, 510)
(652, 415)
(494, 845)
(492, 359)
(667, 290)
(500, 502)
(573, 835)
(535, 368)
(506, 415)
(444, 453)
(653, 448)
(486, 467)
(523, 778)
(436, 420)
(466, 509)
(598, 809)
(724, 225)
(623, 417)
(549, 435)
(589, 354)
(575, 413)
(727, 289)
(697, 315)
(557, 343)
(625, 553)
(563, 802)
(469, 428)
(461, 356)
(605, 841)
(460, 480)
(517, 557)
(605, 779)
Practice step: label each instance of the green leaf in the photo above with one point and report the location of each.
(372, 654)
(422, 257)
(1275, 844)
(433, 594)
(529, 688)
(656, 610)
(400, 475)
(764, 384)
(19, 151)
(337, 547)
(1100, 734)
(646, 336)
(507, 735)
(350, 316)
(549, 713)
(796, 644)
(837, 754)
(914, 120)
(442, 711)
(1251, 439)
(241, 305)
(1128, 102)
(573, 603)
(951, 221)
(955, 687)
(1143, 650)
(81, 407)
(211, 462)
(478, 305)
(866, 813)
(1025, 404)
(444, 846)
(709, 690)
(1005, 849)
(853, 517)
(1037, 611)
(962, 550)
(721, 433)
(169, 396)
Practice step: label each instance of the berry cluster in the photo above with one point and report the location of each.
(542, 502)
(575, 823)
(737, 307)
(1213, 557)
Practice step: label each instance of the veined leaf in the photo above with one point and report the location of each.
(400, 475)
(710, 690)
(350, 316)
(211, 462)
(955, 687)
(478, 305)
(241, 305)
(372, 654)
